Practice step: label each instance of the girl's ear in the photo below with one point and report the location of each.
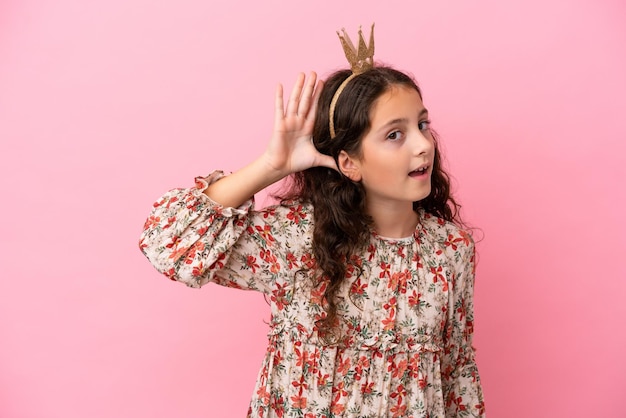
(349, 166)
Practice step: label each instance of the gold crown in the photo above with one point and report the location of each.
(361, 59)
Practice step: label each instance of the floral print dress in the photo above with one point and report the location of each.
(405, 342)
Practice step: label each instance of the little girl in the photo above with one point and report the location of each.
(369, 277)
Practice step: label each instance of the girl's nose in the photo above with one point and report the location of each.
(423, 142)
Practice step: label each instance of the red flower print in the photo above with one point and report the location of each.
(337, 408)
(299, 402)
(198, 246)
(172, 199)
(173, 242)
(278, 358)
(198, 270)
(269, 212)
(413, 366)
(170, 274)
(398, 410)
(226, 282)
(384, 267)
(355, 260)
(219, 263)
(367, 388)
(362, 363)
(278, 405)
(266, 233)
(465, 237)
(296, 214)
(292, 260)
(170, 222)
(414, 299)
(300, 384)
(194, 205)
(358, 288)
(175, 255)
(322, 380)
(308, 260)
(399, 393)
(459, 403)
(371, 250)
(391, 304)
(251, 263)
(399, 369)
(398, 281)
(317, 294)
(389, 322)
(339, 391)
(303, 356)
(266, 255)
(279, 296)
(461, 311)
(450, 242)
(263, 395)
(344, 367)
(158, 203)
(191, 254)
(439, 276)
(152, 222)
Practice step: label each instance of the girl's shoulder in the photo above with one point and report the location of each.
(444, 231)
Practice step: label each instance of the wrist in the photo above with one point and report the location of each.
(269, 170)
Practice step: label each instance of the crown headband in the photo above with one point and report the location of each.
(361, 60)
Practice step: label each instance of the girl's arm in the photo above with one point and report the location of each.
(290, 148)
(210, 233)
(461, 381)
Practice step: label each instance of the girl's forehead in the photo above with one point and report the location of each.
(398, 102)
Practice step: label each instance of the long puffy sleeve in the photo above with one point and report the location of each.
(194, 240)
(461, 382)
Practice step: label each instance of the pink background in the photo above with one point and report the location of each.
(106, 105)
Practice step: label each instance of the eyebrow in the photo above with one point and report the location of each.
(402, 120)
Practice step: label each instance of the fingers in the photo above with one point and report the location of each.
(302, 100)
(327, 161)
(307, 94)
(310, 118)
(279, 109)
(294, 99)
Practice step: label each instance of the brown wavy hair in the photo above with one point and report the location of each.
(342, 226)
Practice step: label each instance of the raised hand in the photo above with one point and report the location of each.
(291, 147)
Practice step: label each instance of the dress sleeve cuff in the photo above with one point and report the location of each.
(203, 182)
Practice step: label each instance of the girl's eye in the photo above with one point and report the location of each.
(394, 136)
(424, 125)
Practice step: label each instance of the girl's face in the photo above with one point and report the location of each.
(397, 152)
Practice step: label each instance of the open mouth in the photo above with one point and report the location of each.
(419, 172)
